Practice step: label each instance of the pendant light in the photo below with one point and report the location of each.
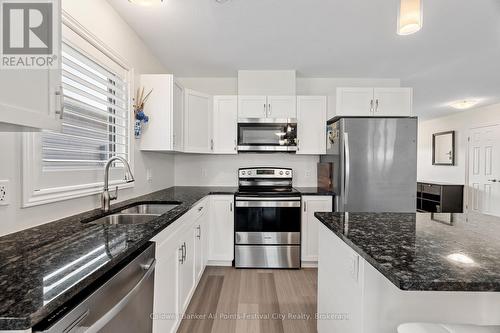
(409, 17)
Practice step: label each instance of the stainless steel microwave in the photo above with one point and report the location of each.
(267, 135)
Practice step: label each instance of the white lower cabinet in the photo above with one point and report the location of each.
(310, 224)
(221, 233)
(180, 262)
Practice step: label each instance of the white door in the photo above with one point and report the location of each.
(221, 239)
(310, 223)
(186, 270)
(281, 107)
(354, 102)
(484, 170)
(197, 122)
(225, 124)
(252, 106)
(166, 286)
(311, 125)
(178, 116)
(392, 102)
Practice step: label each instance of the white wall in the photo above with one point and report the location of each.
(461, 122)
(221, 170)
(97, 16)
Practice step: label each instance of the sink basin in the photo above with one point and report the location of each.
(125, 219)
(150, 209)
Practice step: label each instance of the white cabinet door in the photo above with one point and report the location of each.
(221, 230)
(197, 122)
(200, 241)
(354, 102)
(225, 124)
(311, 125)
(252, 106)
(157, 134)
(310, 224)
(392, 102)
(178, 117)
(281, 107)
(186, 277)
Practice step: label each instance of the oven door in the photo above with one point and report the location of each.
(267, 136)
(269, 221)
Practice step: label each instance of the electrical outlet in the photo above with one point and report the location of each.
(4, 192)
(149, 175)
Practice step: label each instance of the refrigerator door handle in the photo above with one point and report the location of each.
(347, 168)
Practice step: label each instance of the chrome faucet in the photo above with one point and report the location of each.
(106, 197)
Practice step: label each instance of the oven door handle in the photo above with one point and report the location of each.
(108, 316)
(267, 199)
(269, 204)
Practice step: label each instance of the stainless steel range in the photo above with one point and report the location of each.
(267, 219)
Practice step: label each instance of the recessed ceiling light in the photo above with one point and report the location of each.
(464, 104)
(409, 17)
(146, 2)
(460, 258)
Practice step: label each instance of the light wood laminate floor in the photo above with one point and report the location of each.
(229, 300)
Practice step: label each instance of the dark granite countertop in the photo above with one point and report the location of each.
(313, 191)
(422, 251)
(30, 286)
(439, 183)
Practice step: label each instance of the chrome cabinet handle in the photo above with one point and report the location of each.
(376, 105)
(200, 208)
(198, 235)
(185, 252)
(347, 167)
(59, 110)
(305, 206)
(269, 108)
(230, 206)
(493, 180)
(371, 105)
(181, 259)
(211, 144)
(265, 110)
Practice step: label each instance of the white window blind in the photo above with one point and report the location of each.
(95, 119)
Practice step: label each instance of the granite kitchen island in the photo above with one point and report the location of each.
(377, 270)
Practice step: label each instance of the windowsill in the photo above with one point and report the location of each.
(56, 194)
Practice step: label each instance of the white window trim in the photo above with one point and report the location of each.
(31, 196)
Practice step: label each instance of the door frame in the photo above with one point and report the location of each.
(467, 163)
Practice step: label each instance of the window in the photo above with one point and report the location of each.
(95, 125)
(95, 119)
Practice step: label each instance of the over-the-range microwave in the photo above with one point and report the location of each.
(267, 135)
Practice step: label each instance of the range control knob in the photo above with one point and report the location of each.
(281, 173)
(243, 172)
(287, 173)
(249, 173)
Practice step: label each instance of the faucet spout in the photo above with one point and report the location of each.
(106, 197)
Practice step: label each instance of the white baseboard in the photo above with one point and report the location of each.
(219, 263)
(309, 264)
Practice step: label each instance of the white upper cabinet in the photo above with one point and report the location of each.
(31, 99)
(197, 122)
(281, 107)
(165, 108)
(354, 102)
(267, 107)
(252, 106)
(311, 125)
(178, 117)
(370, 102)
(157, 134)
(225, 117)
(392, 102)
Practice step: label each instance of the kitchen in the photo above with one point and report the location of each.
(185, 220)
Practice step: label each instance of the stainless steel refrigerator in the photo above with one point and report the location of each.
(374, 163)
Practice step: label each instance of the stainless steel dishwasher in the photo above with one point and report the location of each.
(122, 303)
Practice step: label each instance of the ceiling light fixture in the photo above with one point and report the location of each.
(410, 17)
(146, 3)
(464, 104)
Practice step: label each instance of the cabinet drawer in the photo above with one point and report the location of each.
(431, 189)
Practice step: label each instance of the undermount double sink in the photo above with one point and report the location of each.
(138, 214)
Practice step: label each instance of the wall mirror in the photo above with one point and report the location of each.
(443, 148)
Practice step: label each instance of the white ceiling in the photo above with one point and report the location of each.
(456, 55)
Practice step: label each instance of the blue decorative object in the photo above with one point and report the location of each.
(140, 118)
(137, 128)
